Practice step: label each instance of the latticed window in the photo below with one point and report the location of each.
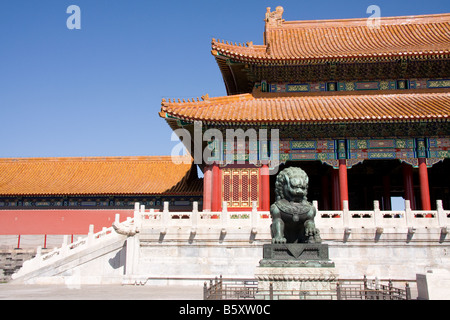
(240, 186)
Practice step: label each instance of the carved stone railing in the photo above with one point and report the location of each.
(255, 219)
(377, 218)
(68, 249)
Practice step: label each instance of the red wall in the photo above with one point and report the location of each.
(57, 221)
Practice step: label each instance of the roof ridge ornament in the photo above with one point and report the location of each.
(274, 19)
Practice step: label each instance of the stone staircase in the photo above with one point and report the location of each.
(70, 261)
(11, 260)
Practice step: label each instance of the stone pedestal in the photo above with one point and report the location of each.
(296, 255)
(296, 271)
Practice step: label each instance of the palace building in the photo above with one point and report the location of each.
(66, 195)
(363, 110)
(97, 182)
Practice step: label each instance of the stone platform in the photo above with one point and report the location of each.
(173, 249)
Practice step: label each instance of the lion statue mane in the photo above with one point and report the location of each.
(292, 215)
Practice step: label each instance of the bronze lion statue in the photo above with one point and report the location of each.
(292, 215)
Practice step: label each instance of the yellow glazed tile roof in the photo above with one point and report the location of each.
(301, 108)
(296, 41)
(97, 176)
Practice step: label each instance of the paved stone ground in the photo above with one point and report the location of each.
(99, 292)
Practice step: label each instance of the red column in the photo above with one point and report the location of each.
(424, 185)
(335, 185)
(343, 184)
(408, 184)
(216, 204)
(265, 188)
(207, 188)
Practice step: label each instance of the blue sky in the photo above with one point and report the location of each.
(97, 91)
